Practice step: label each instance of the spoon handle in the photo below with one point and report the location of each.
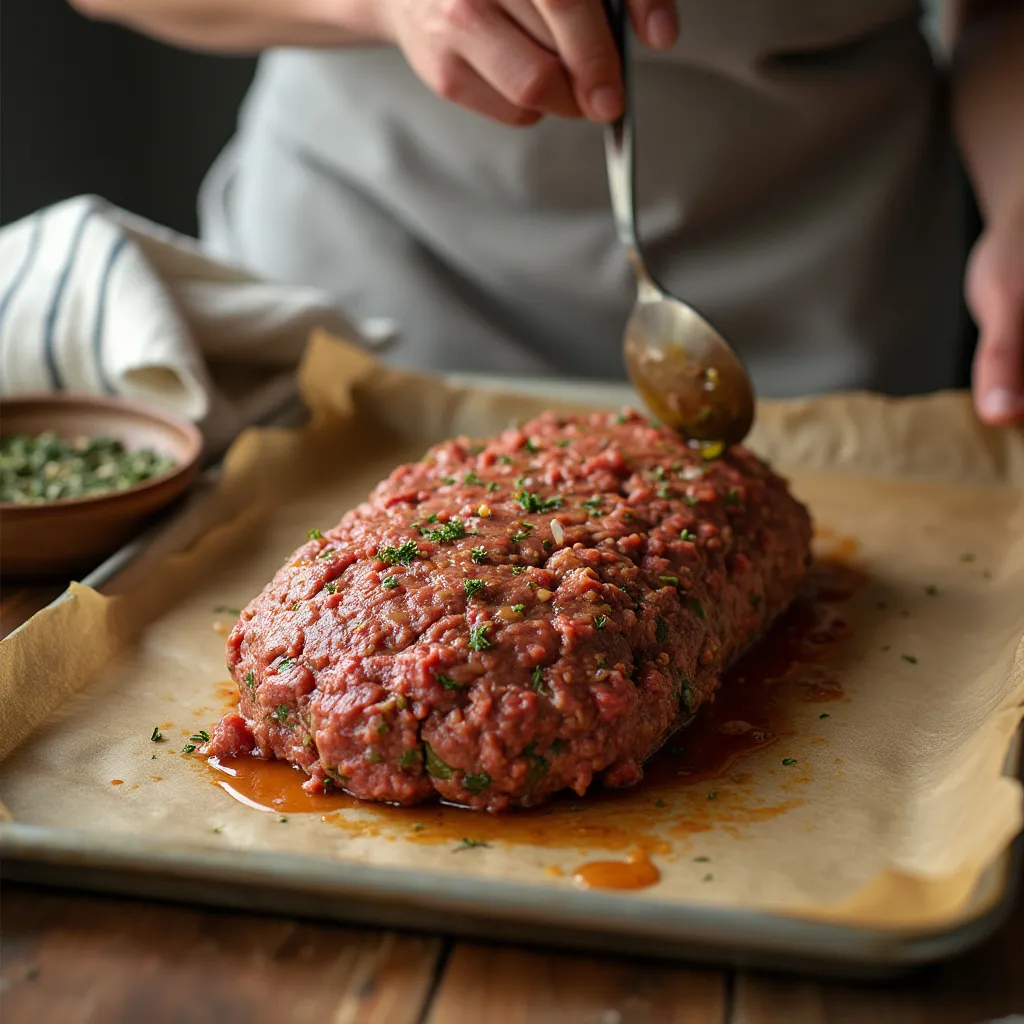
(618, 149)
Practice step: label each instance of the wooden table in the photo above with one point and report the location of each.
(70, 958)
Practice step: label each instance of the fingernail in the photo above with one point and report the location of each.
(661, 29)
(1001, 405)
(605, 103)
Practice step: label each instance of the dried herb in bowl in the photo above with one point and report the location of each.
(47, 467)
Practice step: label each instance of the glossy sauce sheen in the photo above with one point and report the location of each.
(748, 714)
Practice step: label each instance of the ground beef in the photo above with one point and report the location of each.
(509, 618)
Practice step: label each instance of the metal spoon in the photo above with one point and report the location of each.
(683, 368)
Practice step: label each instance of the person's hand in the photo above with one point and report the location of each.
(517, 60)
(995, 294)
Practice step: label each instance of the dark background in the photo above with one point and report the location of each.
(89, 107)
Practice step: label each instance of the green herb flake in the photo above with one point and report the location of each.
(284, 665)
(701, 860)
(664, 492)
(528, 501)
(931, 590)
(691, 500)
(473, 587)
(789, 761)
(493, 486)
(188, 748)
(402, 555)
(661, 630)
(538, 682)
(469, 844)
(732, 498)
(967, 557)
(281, 819)
(410, 758)
(389, 582)
(156, 735)
(281, 712)
(713, 795)
(708, 878)
(479, 555)
(518, 570)
(538, 767)
(557, 747)
(564, 443)
(519, 608)
(419, 827)
(202, 736)
(448, 481)
(621, 418)
(658, 473)
(530, 447)
(476, 783)
(250, 680)
(659, 803)
(400, 702)
(824, 715)
(698, 608)
(909, 659)
(469, 477)
(314, 534)
(383, 728)
(331, 586)
(672, 581)
(450, 684)
(520, 535)
(478, 640)
(688, 535)
(600, 621)
(223, 609)
(453, 530)
(505, 460)
(435, 766)
(593, 506)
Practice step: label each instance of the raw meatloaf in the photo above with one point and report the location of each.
(506, 619)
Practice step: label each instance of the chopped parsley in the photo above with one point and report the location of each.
(400, 702)
(621, 418)
(284, 665)
(250, 680)
(478, 637)
(504, 460)
(435, 766)
(530, 502)
(824, 714)
(538, 682)
(374, 756)
(476, 449)
(188, 748)
(410, 759)
(713, 795)
(600, 621)
(402, 555)
(454, 529)
(530, 447)
(476, 783)
(593, 505)
(691, 500)
(314, 534)
(432, 518)
(538, 767)
(701, 860)
(909, 659)
(564, 443)
(663, 491)
(281, 712)
(469, 844)
(672, 581)
(698, 608)
(448, 480)
(200, 737)
(789, 761)
(281, 819)
(518, 570)
(931, 590)
(661, 630)
(450, 684)
(470, 477)
(389, 582)
(331, 586)
(478, 554)
(557, 747)
(493, 486)
(157, 735)
(519, 608)
(732, 497)
(658, 473)
(473, 587)
(383, 728)
(223, 609)
(520, 535)
(708, 878)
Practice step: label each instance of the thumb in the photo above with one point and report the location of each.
(999, 366)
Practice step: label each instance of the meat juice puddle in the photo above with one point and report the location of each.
(749, 713)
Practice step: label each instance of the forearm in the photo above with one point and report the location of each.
(989, 108)
(245, 26)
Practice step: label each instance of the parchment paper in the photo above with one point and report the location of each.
(897, 801)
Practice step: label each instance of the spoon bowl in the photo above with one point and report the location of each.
(682, 367)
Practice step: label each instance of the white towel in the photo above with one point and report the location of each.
(96, 299)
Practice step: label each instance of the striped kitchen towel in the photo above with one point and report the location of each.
(96, 299)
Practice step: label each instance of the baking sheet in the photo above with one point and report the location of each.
(897, 804)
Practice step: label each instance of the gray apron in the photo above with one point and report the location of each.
(797, 185)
